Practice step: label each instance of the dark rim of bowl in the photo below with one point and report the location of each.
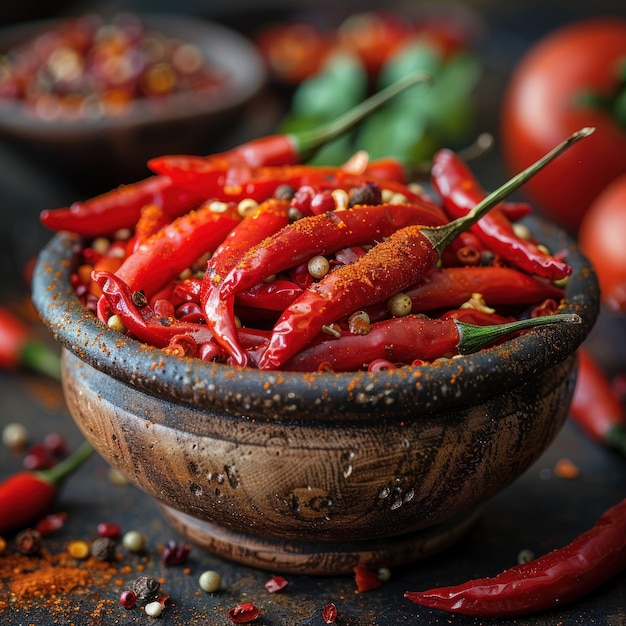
(220, 45)
(287, 395)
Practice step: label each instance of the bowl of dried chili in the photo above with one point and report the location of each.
(94, 96)
(234, 362)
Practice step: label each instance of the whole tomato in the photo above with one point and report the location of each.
(602, 238)
(572, 78)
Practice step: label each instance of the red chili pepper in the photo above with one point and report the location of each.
(272, 296)
(297, 242)
(120, 207)
(595, 407)
(21, 347)
(460, 192)
(142, 322)
(243, 613)
(366, 579)
(25, 497)
(410, 338)
(389, 267)
(175, 247)
(452, 286)
(555, 579)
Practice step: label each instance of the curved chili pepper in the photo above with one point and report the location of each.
(25, 497)
(175, 247)
(555, 579)
(21, 347)
(140, 319)
(270, 217)
(389, 267)
(460, 192)
(595, 408)
(120, 208)
(273, 296)
(297, 242)
(449, 287)
(406, 339)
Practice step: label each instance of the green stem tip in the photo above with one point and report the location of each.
(473, 338)
(311, 140)
(39, 358)
(64, 468)
(441, 236)
(616, 439)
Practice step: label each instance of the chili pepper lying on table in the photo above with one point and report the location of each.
(595, 407)
(120, 208)
(20, 347)
(389, 267)
(25, 497)
(460, 192)
(408, 339)
(561, 576)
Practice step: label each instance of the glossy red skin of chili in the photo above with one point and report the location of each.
(25, 497)
(365, 578)
(324, 234)
(389, 267)
(555, 579)
(399, 340)
(175, 247)
(449, 287)
(145, 325)
(120, 208)
(272, 296)
(460, 192)
(270, 217)
(595, 407)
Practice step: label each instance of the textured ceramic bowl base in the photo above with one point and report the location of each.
(319, 557)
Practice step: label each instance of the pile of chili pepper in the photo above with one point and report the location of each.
(252, 258)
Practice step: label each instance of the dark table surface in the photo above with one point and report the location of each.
(540, 512)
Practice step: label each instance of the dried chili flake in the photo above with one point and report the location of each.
(276, 583)
(243, 613)
(174, 553)
(366, 579)
(329, 613)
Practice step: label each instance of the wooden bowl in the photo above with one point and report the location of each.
(313, 473)
(107, 151)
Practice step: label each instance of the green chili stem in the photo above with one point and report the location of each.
(473, 338)
(61, 470)
(441, 236)
(39, 358)
(307, 142)
(616, 439)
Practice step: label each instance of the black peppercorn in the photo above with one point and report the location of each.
(367, 193)
(28, 541)
(103, 548)
(147, 589)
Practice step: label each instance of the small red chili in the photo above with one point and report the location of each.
(329, 613)
(276, 583)
(50, 524)
(554, 579)
(25, 497)
(243, 613)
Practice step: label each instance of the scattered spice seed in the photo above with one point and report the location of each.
(128, 599)
(329, 613)
(78, 549)
(525, 556)
(134, 541)
(174, 553)
(50, 524)
(3, 545)
(28, 542)
(15, 436)
(103, 548)
(108, 529)
(147, 589)
(276, 583)
(243, 613)
(210, 581)
(56, 444)
(565, 468)
(153, 609)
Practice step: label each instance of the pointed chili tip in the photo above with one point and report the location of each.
(585, 132)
